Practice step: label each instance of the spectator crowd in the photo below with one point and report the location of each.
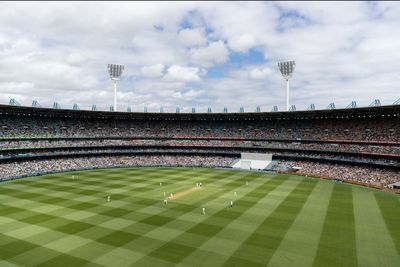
(367, 129)
(364, 175)
(374, 160)
(88, 141)
(392, 149)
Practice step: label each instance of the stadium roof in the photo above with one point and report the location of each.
(390, 110)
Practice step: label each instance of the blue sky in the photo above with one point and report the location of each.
(199, 54)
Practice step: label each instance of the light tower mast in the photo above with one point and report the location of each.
(115, 71)
(287, 69)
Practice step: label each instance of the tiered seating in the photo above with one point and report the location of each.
(364, 137)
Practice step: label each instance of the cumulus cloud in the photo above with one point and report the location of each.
(153, 71)
(260, 73)
(16, 86)
(192, 37)
(183, 74)
(242, 43)
(189, 95)
(214, 53)
(59, 52)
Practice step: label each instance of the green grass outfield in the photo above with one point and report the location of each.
(276, 220)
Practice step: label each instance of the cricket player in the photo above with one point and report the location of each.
(235, 194)
(204, 211)
(231, 204)
(108, 198)
(165, 201)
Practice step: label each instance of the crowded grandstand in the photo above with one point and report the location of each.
(359, 145)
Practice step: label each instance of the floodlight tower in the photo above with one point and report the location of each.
(287, 69)
(115, 71)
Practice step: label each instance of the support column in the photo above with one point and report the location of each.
(115, 95)
(287, 95)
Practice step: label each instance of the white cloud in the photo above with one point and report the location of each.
(16, 87)
(153, 71)
(260, 73)
(59, 52)
(214, 53)
(192, 37)
(242, 43)
(189, 95)
(183, 74)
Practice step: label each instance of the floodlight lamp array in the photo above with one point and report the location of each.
(115, 71)
(287, 68)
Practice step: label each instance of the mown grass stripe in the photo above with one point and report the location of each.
(300, 244)
(375, 246)
(72, 204)
(43, 222)
(100, 182)
(162, 218)
(221, 246)
(267, 237)
(73, 227)
(202, 228)
(337, 245)
(390, 211)
(15, 247)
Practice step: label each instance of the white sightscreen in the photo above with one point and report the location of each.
(245, 164)
(256, 156)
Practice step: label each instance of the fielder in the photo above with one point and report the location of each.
(231, 204)
(165, 201)
(108, 198)
(204, 211)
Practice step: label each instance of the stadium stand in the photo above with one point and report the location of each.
(340, 144)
